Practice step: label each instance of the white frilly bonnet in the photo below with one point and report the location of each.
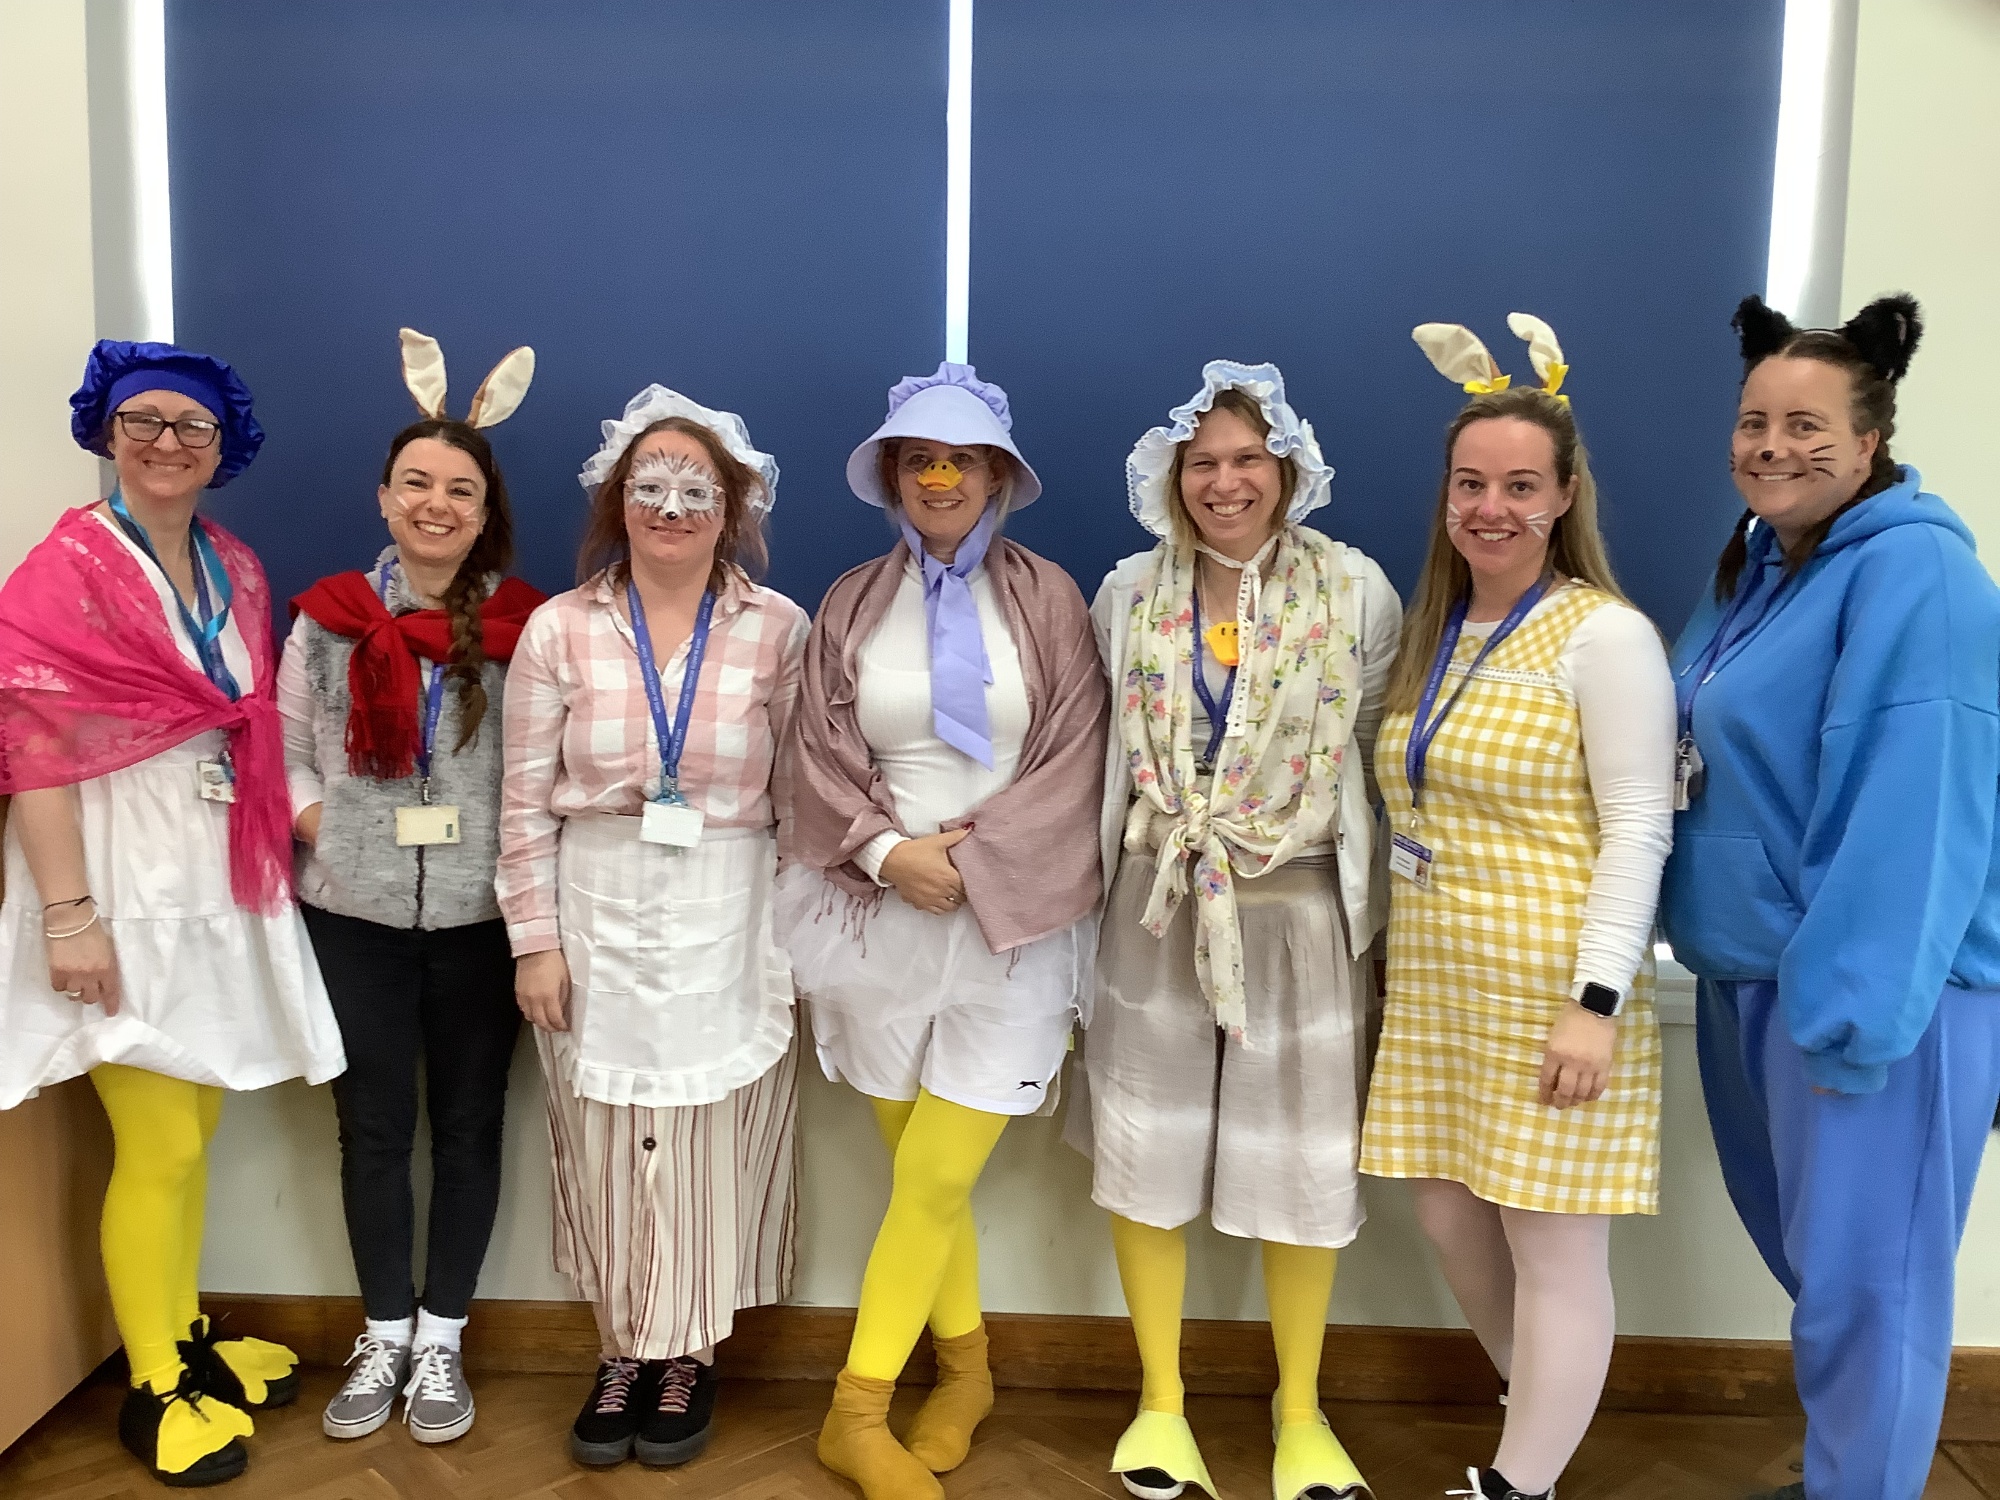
(1151, 463)
(655, 403)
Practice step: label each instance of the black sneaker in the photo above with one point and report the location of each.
(618, 1406)
(682, 1414)
(139, 1430)
(213, 1377)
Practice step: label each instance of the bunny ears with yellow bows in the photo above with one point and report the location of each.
(498, 394)
(1460, 356)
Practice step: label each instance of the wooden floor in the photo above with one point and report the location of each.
(1049, 1445)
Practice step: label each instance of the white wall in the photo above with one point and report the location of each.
(46, 316)
(274, 1216)
(1924, 217)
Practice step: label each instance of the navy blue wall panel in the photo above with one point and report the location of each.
(743, 199)
(1303, 181)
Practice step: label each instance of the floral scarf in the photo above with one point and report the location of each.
(1276, 786)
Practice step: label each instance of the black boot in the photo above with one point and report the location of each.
(682, 1413)
(139, 1430)
(214, 1377)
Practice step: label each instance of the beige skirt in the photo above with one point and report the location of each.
(1263, 1133)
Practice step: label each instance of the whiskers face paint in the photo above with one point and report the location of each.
(674, 486)
(1538, 523)
(1454, 518)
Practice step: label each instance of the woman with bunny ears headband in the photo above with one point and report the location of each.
(941, 883)
(391, 690)
(1526, 765)
(1227, 1051)
(1835, 883)
(637, 854)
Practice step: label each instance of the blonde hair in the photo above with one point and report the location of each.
(1576, 546)
(1245, 406)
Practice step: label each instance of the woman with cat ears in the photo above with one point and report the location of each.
(1526, 764)
(1226, 1054)
(941, 883)
(391, 690)
(1835, 882)
(637, 854)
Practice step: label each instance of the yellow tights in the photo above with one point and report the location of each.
(1298, 1284)
(153, 1211)
(925, 1264)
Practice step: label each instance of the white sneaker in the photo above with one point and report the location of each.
(440, 1405)
(366, 1401)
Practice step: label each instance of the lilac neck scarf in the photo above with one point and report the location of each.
(959, 668)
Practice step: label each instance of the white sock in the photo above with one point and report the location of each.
(397, 1331)
(444, 1332)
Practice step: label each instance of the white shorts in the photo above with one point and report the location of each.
(966, 1054)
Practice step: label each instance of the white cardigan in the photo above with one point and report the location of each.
(1364, 892)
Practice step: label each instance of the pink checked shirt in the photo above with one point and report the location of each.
(580, 738)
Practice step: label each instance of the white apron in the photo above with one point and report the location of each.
(678, 995)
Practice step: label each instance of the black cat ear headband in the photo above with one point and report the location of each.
(1884, 333)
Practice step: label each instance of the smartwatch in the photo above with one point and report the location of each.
(1600, 999)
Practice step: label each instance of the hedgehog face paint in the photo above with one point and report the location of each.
(1795, 455)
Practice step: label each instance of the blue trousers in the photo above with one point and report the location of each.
(1857, 1203)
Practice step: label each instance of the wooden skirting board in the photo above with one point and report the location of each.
(1749, 1377)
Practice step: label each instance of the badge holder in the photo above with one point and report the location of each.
(215, 780)
(670, 820)
(428, 822)
(1411, 858)
(1689, 772)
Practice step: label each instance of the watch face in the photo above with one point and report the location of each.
(1599, 999)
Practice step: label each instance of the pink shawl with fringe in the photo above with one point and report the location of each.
(91, 681)
(1030, 865)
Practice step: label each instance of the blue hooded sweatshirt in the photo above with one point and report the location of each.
(1843, 841)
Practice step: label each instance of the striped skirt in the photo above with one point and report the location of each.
(670, 1219)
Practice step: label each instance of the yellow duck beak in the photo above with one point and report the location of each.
(942, 475)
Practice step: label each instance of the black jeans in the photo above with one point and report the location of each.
(448, 996)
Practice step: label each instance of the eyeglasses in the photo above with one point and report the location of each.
(965, 463)
(144, 427)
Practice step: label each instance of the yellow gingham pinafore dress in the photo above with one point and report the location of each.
(1481, 961)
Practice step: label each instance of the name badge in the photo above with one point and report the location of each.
(214, 781)
(429, 824)
(672, 823)
(1688, 769)
(1410, 859)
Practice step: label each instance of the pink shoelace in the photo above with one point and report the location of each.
(615, 1377)
(677, 1385)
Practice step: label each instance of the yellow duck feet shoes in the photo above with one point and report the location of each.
(250, 1374)
(856, 1443)
(941, 1433)
(185, 1438)
(1310, 1463)
(1157, 1458)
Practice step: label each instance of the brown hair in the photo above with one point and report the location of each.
(492, 552)
(1874, 348)
(1244, 405)
(889, 452)
(1576, 547)
(607, 547)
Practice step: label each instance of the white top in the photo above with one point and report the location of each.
(1364, 891)
(931, 781)
(1615, 666)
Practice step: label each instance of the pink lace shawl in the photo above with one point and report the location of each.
(91, 681)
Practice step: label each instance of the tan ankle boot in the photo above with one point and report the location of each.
(941, 1435)
(856, 1444)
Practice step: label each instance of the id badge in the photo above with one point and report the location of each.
(1410, 859)
(674, 824)
(432, 823)
(1688, 769)
(214, 781)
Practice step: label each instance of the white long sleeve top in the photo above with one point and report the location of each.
(931, 781)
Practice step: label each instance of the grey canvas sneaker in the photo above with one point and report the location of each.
(377, 1373)
(440, 1405)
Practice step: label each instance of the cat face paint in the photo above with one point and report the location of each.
(673, 485)
(1795, 455)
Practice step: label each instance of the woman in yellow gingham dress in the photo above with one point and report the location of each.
(1518, 1080)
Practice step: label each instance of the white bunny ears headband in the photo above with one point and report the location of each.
(498, 394)
(1459, 355)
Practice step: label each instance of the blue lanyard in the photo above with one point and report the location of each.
(1218, 713)
(433, 695)
(1424, 728)
(673, 739)
(1723, 643)
(205, 633)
